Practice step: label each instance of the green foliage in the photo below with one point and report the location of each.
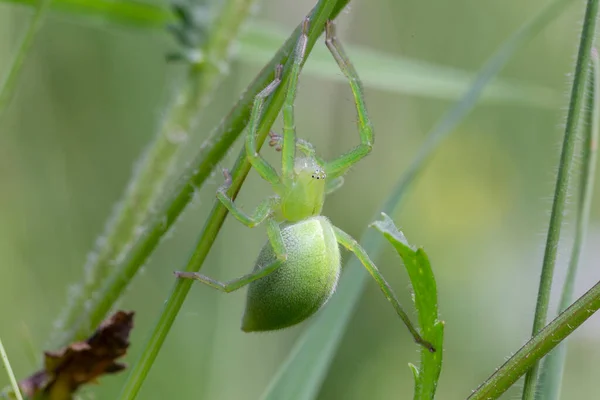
(426, 301)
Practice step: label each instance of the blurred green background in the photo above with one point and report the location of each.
(92, 95)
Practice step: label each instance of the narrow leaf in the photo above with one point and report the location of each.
(425, 297)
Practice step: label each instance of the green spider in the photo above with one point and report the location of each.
(298, 268)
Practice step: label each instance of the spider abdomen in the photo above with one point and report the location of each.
(302, 285)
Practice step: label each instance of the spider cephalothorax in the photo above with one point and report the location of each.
(298, 268)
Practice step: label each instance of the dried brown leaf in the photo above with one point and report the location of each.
(65, 370)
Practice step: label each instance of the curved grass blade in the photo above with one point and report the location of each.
(553, 366)
(425, 297)
(306, 366)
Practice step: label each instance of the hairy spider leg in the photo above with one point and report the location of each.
(264, 169)
(288, 151)
(340, 165)
(262, 212)
(352, 245)
(234, 284)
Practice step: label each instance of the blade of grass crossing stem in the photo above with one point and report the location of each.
(425, 297)
(553, 365)
(381, 71)
(540, 345)
(9, 82)
(324, 10)
(11, 376)
(153, 171)
(562, 183)
(306, 366)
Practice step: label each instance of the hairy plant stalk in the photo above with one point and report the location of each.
(538, 346)
(149, 179)
(553, 366)
(562, 183)
(7, 87)
(324, 10)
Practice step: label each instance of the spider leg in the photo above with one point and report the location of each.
(266, 171)
(233, 284)
(341, 164)
(262, 212)
(288, 150)
(276, 240)
(349, 243)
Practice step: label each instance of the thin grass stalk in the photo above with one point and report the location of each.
(149, 179)
(324, 10)
(562, 183)
(16, 391)
(554, 364)
(7, 87)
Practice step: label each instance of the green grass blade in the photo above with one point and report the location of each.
(562, 183)
(16, 392)
(394, 73)
(553, 366)
(151, 176)
(9, 82)
(307, 364)
(425, 297)
(381, 71)
(324, 10)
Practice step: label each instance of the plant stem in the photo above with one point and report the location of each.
(147, 183)
(324, 10)
(553, 366)
(11, 376)
(562, 183)
(538, 346)
(9, 83)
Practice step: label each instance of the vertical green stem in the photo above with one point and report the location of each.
(553, 366)
(9, 371)
(10, 80)
(325, 9)
(148, 181)
(562, 183)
